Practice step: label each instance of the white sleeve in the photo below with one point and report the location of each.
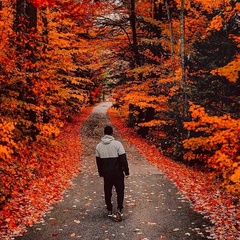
(120, 149)
(97, 152)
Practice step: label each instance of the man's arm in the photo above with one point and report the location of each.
(99, 166)
(123, 158)
(99, 163)
(124, 163)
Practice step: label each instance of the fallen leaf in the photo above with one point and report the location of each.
(151, 223)
(176, 229)
(77, 221)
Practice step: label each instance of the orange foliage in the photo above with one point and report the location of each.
(95, 94)
(230, 71)
(6, 136)
(42, 86)
(219, 147)
(217, 141)
(42, 3)
(139, 96)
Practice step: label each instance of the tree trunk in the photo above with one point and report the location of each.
(25, 23)
(157, 11)
(170, 27)
(45, 31)
(1, 8)
(182, 49)
(134, 34)
(26, 16)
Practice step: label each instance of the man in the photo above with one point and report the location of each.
(112, 164)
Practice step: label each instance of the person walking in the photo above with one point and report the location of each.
(112, 165)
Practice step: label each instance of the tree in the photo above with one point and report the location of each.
(46, 78)
(204, 71)
(216, 51)
(134, 34)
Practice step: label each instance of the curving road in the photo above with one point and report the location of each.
(154, 209)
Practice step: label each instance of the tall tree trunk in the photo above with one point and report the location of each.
(134, 34)
(26, 16)
(157, 11)
(182, 49)
(25, 23)
(1, 8)
(170, 27)
(157, 15)
(45, 31)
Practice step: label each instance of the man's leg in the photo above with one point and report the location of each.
(108, 193)
(119, 185)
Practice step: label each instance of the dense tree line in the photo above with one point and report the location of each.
(172, 66)
(49, 71)
(183, 93)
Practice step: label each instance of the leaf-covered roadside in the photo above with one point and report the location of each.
(206, 196)
(61, 163)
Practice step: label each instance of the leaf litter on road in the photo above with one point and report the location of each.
(205, 197)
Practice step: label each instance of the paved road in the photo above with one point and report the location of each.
(154, 209)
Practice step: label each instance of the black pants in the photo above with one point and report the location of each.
(118, 183)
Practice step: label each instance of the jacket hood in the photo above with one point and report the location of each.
(106, 139)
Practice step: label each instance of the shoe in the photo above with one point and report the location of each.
(118, 216)
(110, 213)
(120, 212)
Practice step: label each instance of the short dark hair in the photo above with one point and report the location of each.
(108, 130)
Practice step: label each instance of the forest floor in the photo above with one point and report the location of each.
(156, 206)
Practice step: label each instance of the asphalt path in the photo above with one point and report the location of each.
(153, 206)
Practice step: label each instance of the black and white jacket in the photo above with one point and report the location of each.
(111, 157)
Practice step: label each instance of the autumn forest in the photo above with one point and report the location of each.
(170, 67)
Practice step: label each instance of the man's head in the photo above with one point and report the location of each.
(108, 130)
